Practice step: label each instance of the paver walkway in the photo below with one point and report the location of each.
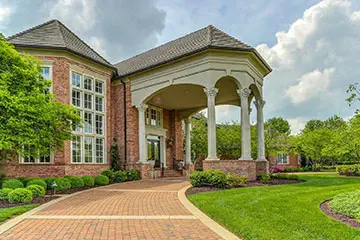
(148, 209)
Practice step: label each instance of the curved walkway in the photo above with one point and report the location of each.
(147, 209)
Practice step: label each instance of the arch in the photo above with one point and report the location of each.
(255, 92)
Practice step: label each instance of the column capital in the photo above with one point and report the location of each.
(141, 107)
(244, 93)
(211, 92)
(259, 104)
(187, 119)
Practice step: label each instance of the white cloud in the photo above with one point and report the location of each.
(296, 124)
(314, 61)
(4, 15)
(311, 85)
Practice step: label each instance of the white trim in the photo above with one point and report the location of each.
(93, 134)
(282, 163)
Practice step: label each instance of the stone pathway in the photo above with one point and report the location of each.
(148, 209)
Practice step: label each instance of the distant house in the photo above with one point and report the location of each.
(285, 160)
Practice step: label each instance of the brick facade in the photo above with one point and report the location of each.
(293, 162)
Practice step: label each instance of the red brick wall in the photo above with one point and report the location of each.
(293, 162)
(239, 167)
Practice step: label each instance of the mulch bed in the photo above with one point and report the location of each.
(38, 200)
(342, 218)
(69, 191)
(257, 183)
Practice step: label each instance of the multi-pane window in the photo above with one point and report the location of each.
(36, 159)
(153, 116)
(283, 159)
(88, 96)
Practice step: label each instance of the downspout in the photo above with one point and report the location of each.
(125, 126)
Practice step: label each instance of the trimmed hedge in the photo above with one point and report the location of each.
(132, 175)
(75, 182)
(4, 193)
(265, 178)
(349, 170)
(88, 181)
(101, 180)
(20, 195)
(285, 176)
(120, 176)
(38, 182)
(13, 184)
(109, 173)
(37, 190)
(234, 180)
(62, 184)
(214, 178)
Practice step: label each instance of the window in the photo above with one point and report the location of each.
(88, 96)
(46, 73)
(282, 159)
(36, 159)
(153, 116)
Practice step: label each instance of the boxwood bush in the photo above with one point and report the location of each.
(285, 176)
(101, 180)
(265, 178)
(37, 190)
(49, 182)
(120, 176)
(62, 184)
(12, 183)
(347, 204)
(349, 170)
(109, 173)
(20, 195)
(4, 193)
(75, 182)
(132, 175)
(38, 182)
(214, 178)
(88, 181)
(234, 180)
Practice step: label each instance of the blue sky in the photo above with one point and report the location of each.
(312, 45)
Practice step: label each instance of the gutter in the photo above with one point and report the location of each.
(125, 125)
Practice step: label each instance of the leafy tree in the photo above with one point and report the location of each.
(277, 133)
(29, 114)
(199, 137)
(354, 92)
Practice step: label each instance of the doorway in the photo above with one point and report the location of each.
(153, 147)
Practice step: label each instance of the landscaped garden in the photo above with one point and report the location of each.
(22, 194)
(289, 211)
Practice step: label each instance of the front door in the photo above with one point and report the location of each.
(153, 147)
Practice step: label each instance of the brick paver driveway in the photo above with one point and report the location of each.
(148, 209)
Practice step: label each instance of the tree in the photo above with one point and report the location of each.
(277, 133)
(32, 123)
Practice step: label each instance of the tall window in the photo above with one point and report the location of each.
(88, 96)
(153, 116)
(283, 159)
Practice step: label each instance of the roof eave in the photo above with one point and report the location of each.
(68, 50)
(253, 50)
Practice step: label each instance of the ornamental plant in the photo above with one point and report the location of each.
(347, 204)
(75, 182)
(38, 182)
(37, 190)
(88, 181)
(101, 180)
(120, 176)
(62, 184)
(12, 183)
(109, 173)
(20, 195)
(4, 193)
(233, 180)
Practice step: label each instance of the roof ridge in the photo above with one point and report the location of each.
(232, 38)
(209, 28)
(31, 29)
(66, 28)
(176, 39)
(57, 22)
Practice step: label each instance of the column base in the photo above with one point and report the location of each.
(212, 159)
(246, 158)
(262, 166)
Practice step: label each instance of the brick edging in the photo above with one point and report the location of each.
(207, 221)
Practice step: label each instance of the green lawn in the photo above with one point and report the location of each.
(280, 212)
(7, 213)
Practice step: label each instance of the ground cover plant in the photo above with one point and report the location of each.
(347, 204)
(290, 211)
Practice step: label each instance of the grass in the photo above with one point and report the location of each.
(281, 212)
(7, 213)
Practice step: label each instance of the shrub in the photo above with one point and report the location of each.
(347, 204)
(214, 178)
(4, 193)
(12, 183)
(20, 195)
(75, 182)
(37, 190)
(199, 169)
(62, 184)
(2, 178)
(88, 181)
(120, 176)
(234, 180)
(101, 180)
(265, 178)
(349, 170)
(277, 169)
(109, 173)
(132, 175)
(49, 182)
(285, 176)
(38, 182)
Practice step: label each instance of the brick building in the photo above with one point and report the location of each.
(143, 101)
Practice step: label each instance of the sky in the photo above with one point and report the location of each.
(313, 46)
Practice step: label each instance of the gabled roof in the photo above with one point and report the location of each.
(206, 38)
(55, 35)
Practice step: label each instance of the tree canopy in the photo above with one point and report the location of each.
(31, 121)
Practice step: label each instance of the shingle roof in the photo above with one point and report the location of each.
(206, 38)
(55, 35)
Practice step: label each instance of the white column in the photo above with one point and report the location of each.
(142, 137)
(211, 94)
(245, 124)
(187, 141)
(259, 104)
